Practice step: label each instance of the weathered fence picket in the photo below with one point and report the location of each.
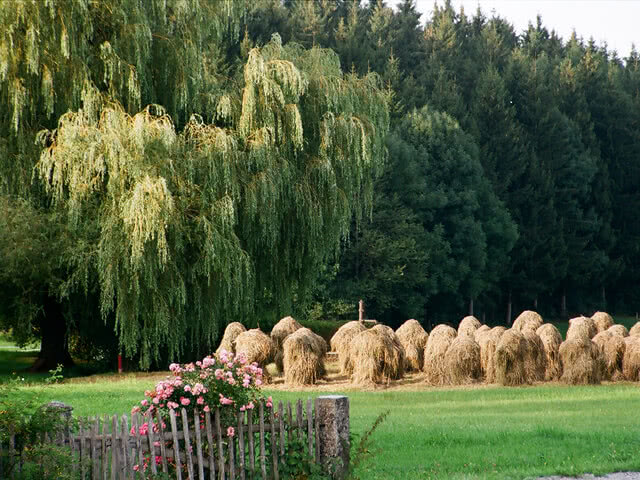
(253, 444)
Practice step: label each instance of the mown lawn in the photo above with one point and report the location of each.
(483, 432)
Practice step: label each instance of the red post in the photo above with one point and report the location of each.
(119, 363)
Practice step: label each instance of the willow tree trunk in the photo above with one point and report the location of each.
(54, 346)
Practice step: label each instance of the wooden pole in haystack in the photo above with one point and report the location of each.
(361, 311)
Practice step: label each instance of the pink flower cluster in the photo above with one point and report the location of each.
(215, 381)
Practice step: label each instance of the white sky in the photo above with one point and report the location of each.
(616, 22)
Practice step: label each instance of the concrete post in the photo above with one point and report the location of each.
(65, 412)
(333, 415)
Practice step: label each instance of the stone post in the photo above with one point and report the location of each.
(65, 412)
(333, 416)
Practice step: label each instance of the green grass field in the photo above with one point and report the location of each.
(483, 432)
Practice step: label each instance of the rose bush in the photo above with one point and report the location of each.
(223, 380)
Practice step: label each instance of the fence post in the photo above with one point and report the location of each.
(333, 415)
(65, 412)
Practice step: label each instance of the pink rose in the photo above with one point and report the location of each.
(206, 408)
(230, 432)
(200, 401)
(185, 401)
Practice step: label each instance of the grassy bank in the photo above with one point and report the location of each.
(483, 432)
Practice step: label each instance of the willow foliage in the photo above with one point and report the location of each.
(197, 222)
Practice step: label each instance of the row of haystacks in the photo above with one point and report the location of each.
(531, 351)
(297, 352)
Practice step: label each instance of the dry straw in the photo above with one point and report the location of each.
(279, 332)
(509, 359)
(439, 340)
(230, 334)
(618, 330)
(462, 361)
(257, 346)
(413, 338)
(602, 320)
(468, 325)
(481, 330)
(488, 342)
(551, 340)
(581, 361)
(631, 359)
(635, 330)
(535, 360)
(612, 348)
(527, 320)
(581, 326)
(369, 350)
(341, 343)
(303, 357)
(394, 362)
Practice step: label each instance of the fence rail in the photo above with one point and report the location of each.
(201, 445)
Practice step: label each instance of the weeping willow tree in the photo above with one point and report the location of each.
(221, 196)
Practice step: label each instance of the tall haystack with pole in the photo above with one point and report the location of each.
(286, 326)
(488, 342)
(527, 320)
(602, 320)
(468, 325)
(370, 352)
(612, 348)
(462, 361)
(303, 358)
(257, 346)
(631, 359)
(618, 330)
(394, 363)
(434, 352)
(230, 334)
(551, 340)
(535, 361)
(413, 338)
(509, 359)
(581, 360)
(580, 326)
(341, 344)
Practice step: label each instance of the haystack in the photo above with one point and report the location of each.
(581, 361)
(394, 363)
(303, 357)
(369, 350)
(230, 334)
(635, 330)
(341, 343)
(413, 338)
(527, 320)
(468, 325)
(602, 320)
(286, 326)
(612, 348)
(535, 360)
(551, 340)
(462, 361)
(481, 329)
(257, 346)
(581, 326)
(618, 330)
(434, 352)
(631, 359)
(509, 358)
(488, 342)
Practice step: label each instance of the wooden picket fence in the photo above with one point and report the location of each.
(188, 448)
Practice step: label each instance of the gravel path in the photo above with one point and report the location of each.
(611, 476)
